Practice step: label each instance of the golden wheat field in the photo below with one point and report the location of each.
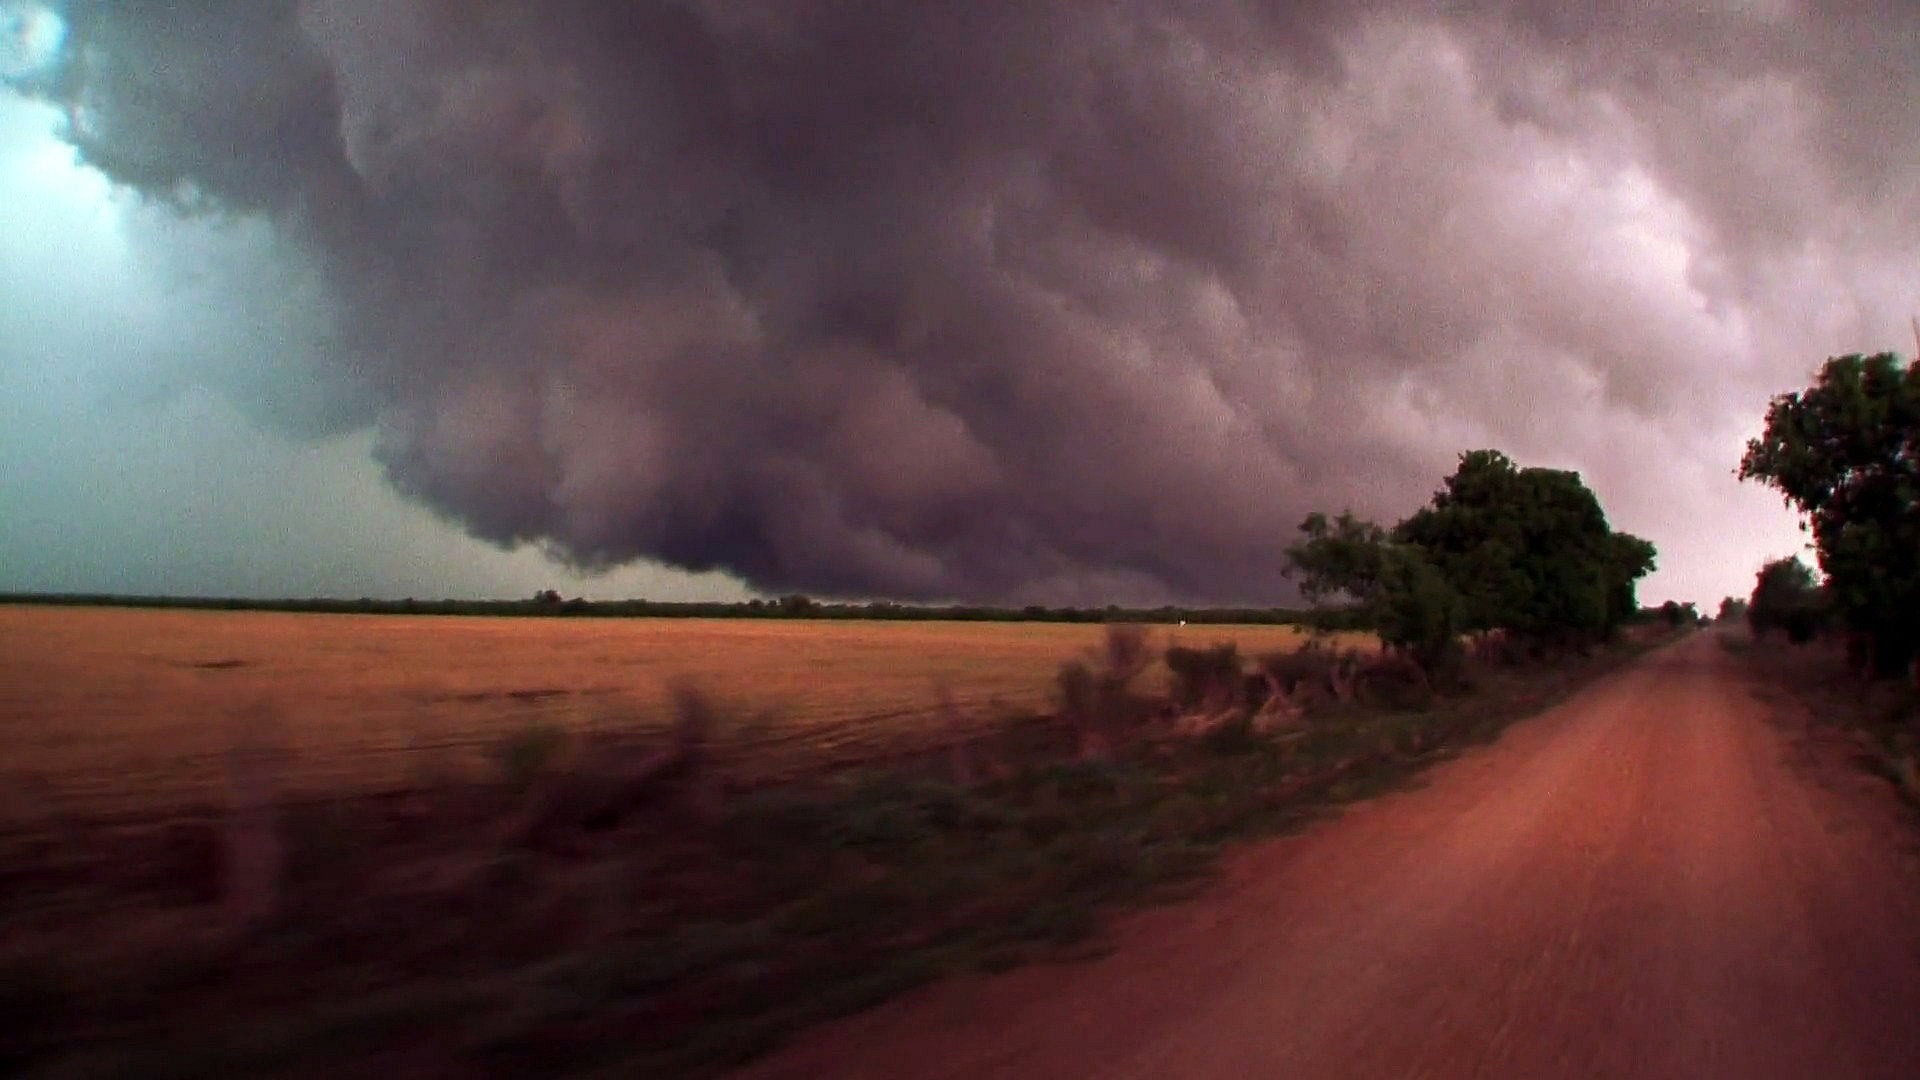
(105, 710)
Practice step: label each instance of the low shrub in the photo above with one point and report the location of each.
(1207, 679)
(1096, 695)
(523, 755)
(1396, 682)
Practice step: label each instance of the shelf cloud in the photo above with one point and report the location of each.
(1037, 301)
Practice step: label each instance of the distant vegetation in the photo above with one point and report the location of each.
(1525, 554)
(1677, 614)
(549, 604)
(1786, 597)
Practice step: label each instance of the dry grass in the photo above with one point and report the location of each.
(593, 908)
(109, 710)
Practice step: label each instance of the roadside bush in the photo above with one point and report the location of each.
(1786, 596)
(1207, 679)
(1803, 625)
(1397, 682)
(604, 781)
(1500, 649)
(1097, 695)
(1313, 674)
(1125, 652)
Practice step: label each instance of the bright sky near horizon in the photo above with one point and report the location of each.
(125, 469)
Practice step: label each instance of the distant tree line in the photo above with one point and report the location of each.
(1674, 614)
(548, 603)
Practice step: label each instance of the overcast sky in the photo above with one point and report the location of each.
(1044, 301)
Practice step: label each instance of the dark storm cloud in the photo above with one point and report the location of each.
(1017, 300)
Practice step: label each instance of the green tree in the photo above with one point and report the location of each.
(1786, 596)
(1401, 595)
(1676, 614)
(1529, 551)
(1846, 452)
(1629, 559)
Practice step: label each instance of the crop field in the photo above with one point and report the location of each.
(108, 711)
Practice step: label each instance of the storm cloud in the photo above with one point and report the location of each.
(1019, 301)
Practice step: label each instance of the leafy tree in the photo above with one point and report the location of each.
(1786, 597)
(1529, 551)
(1402, 595)
(1846, 453)
(1629, 559)
(1731, 608)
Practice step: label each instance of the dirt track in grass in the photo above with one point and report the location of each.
(1665, 876)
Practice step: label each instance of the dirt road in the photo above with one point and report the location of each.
(1661, 878)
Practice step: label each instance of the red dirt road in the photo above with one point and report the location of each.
(1661, 878)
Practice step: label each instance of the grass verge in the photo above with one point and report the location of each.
(1881, 717)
